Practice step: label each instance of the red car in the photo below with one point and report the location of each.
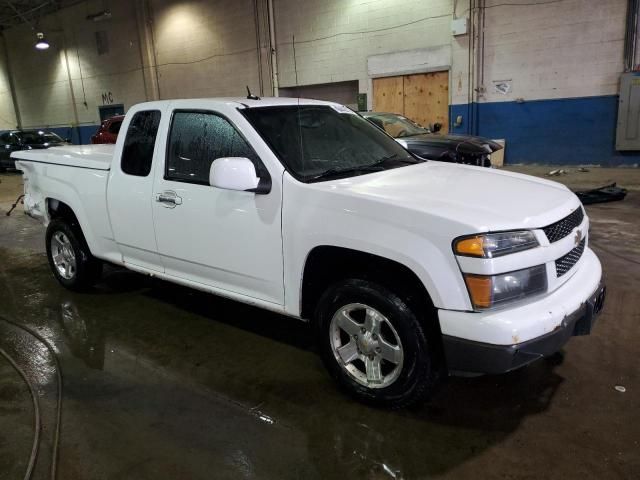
(108, 131)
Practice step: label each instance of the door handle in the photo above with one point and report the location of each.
(169, 199)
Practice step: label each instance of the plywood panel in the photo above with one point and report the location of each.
(388, 94)
(426, 98)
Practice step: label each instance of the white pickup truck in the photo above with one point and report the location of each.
(407, 268)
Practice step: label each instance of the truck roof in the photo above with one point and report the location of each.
(240, 102)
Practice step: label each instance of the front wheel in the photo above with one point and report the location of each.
(374, 345)
(69, 257)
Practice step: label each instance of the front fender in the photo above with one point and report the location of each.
(314, 217)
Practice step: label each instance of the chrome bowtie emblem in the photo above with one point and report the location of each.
(578, 237)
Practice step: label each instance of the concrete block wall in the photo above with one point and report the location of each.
(63, 86)
(334, 38)
(561, 60)
(198, 48)
(206, 48)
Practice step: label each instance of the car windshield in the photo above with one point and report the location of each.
(40, 137)
(317, 142)
(398, 126)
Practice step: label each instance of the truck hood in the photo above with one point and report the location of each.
(480, 198)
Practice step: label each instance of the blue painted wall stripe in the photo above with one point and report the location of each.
(570, 131)
(78, 135)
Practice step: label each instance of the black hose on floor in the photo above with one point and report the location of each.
(36, 414)
(56, 435)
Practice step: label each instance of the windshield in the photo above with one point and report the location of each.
(398, 126)
(40, 137)
(319, 142)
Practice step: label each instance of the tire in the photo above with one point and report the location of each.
(396, 367)
(70, 258)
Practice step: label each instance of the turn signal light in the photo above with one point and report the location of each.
(479, 289)
(473, 246)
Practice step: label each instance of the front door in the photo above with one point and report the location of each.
(229, 240)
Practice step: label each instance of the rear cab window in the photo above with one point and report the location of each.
(137, 153)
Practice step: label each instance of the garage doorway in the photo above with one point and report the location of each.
(422, 97)
(108, 111)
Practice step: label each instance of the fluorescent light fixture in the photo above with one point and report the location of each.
(41, 43)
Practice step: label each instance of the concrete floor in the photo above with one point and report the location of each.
(163, 382)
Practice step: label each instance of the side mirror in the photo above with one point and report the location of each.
(234, 173)
(436, 127)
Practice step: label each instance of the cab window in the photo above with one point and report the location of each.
(137, 153)
(196, 140)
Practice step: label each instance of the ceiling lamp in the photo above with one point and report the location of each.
(41, 43)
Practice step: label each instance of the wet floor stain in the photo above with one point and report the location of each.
(164, 382)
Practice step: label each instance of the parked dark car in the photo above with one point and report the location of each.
(108, 130)
(25, 140)
(429, 145)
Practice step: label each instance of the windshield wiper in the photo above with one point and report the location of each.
(373, 167)
(394, 157)
(332, 172)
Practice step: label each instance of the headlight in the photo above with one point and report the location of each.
(491, 245)
(488, 291)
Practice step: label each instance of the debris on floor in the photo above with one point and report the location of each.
(620, 388)
(582, 169)
(558, 172)
(20, 199)
(608, 193)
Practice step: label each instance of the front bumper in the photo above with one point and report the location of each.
(476, 357)
(496, 342)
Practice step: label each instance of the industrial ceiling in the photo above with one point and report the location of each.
(16, 12)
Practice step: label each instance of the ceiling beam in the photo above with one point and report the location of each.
(18, 13)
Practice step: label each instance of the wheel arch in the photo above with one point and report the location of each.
(327, 264)
(60, 210)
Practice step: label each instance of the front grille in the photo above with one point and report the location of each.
(564, 227)
(566, 262)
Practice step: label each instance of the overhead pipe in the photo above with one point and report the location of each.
(272, 47)
(258, 32)
(76, 118)
(631, 35)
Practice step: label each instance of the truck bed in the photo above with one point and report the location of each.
(95, 157)
(77, 176)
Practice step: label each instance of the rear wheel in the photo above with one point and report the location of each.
(69, 257)
(374, 345)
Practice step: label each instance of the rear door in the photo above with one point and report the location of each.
(130, 190)
(229, 240)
